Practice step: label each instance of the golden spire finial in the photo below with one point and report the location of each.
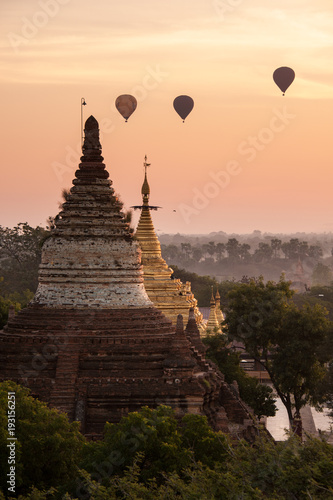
(145, 190)
(212, 300)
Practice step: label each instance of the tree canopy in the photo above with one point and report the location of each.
(258, 396)
(47, 447)
(152, 455)
(290, 342)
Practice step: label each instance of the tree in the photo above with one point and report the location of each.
(322, 275)
(258, 396)
(286, 470)
(186, 249)
(315, 251)
(276, 245)
(4, 309)
(170, 252)
(165, 445)
(197, 254)
(244, 252)
(263, 253)
(220, 250)
(47, 447)
(210, 465)
(232, 247)
(21, 249)
(296, 249)
(288, 341)
(303, 249)
(209, 248)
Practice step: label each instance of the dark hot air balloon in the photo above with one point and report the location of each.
(283, 77)
(126, 105)
(183, 104)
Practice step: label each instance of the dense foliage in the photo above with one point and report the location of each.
(152, 455)
(20, 254)
(47, 447)
(293, 344)
(258, 396)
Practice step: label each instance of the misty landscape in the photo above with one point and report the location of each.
(300, 256)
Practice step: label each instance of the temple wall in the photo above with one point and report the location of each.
(91, 272)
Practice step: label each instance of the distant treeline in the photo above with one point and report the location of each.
(309, 260)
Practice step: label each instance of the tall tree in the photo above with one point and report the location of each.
(315, 251)
(186, 249)
(288, 341)
(197, 254)
(244, 252)
(263, 253)
(220, 250)
(232, 247)
(170, 252)
(276, 245)
(20, 249)
(322, 275)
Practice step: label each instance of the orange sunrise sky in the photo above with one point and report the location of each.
(246, 158)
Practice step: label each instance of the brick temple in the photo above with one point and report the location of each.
(91, 343)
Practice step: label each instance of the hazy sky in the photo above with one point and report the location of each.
(246, 158)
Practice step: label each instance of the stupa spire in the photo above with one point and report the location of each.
(171, 296)
(90, 259)
(219, 313)
(145, 190)
(91, 148)
(212, 323)
(145, 231)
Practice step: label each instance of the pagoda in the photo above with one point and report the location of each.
(169, 295)
(213, 324)
(219, 313)
(91, 343)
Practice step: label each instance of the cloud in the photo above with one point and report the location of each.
(117, 40)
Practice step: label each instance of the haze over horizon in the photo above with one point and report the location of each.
(245, 159)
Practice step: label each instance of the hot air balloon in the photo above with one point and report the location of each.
(283, 77)
(183, 104)
(126, 105)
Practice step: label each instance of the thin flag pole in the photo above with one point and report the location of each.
(83, 103)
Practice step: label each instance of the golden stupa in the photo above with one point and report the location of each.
(219, 313)
(169, 295)
(213, 324)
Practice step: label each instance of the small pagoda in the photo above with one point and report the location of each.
(91, 343)
(219, 313)
(213, 325)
